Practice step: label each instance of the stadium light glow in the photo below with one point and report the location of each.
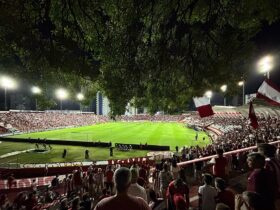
(224, 88)
(8, 83)
(265, 65)
(61, 94)
(240, 83)
(80, 96)
(208, 94)
(36, 90)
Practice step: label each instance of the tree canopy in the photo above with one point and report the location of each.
(158, 53)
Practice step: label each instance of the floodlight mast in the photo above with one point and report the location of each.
(80, 97)
(209, 94)
(224, 89)
(36, 91)
(265, 65)
(242, 83)
(7, 83)
(61, 94)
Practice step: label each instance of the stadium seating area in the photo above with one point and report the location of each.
(31, 121)
(146, 117)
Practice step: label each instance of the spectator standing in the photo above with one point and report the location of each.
(122, 200)
(261, 180)
(109, 179)
(221, 165)
(207, 194)
(99, 180)
(135, 189)
(177, 188)
(165, 178)
(273, 165)
(174, 168)
(91, 181)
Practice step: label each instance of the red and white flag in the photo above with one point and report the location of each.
(269, 92)
(203, 106)
(252, 116)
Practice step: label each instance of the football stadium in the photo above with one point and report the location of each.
(151, 105)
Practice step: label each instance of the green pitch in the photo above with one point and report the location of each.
(153, 133)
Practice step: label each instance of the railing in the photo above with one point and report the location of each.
(183, 164)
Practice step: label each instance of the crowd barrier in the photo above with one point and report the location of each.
(59, 142)
(185, 163)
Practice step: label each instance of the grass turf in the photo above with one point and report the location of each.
(154, 133)
(74, 153)
(167, 134)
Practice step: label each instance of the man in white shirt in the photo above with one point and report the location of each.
(135, 189)
(207, 194)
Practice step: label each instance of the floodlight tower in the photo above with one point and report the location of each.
(265, 65)
(242, 83)
(209, 94)
(36, 91)
(80, 97)
(61, 94)
(8, 84)
(224, 89)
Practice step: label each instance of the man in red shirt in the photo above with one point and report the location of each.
(109, 179)
(220, 165)
(178, 188)
(261, 180)
(122, 201)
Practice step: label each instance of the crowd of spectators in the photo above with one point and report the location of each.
(166, 185)
(159, 187)
(241, 135)
(32, 121)
(147, 117)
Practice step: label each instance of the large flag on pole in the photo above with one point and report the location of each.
(203, 106)
(269, 92)
(253, 117)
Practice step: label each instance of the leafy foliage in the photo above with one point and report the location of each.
(161, 53)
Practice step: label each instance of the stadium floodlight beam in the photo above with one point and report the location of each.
(61, 94)
(80, 96)
(242, 83)
(8, 84)
(224, 89)
(208, 94)
(36, 90)
(265, 65)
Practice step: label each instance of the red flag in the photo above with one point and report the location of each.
(203, 106)
(253, 117)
